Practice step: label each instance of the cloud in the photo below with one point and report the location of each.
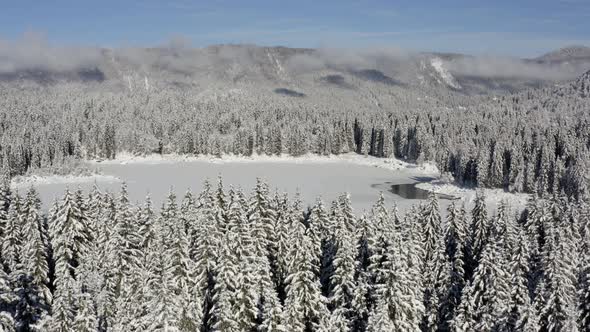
(346, 59)
(33, 52)
(505, 67)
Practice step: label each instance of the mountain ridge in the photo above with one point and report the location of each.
(280, 67)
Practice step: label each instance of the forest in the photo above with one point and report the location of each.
(536, 141)
(224, 260)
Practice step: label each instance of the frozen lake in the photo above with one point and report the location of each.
(310, 179)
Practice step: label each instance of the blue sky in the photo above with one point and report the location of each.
(521, 28)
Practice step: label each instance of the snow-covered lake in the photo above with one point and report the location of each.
(310, 178)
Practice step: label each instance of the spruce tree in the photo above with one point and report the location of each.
(517, 316)
(69, 238)
(305, 306)
(12, 239)
(7, 300)
(85, 319)
(343, 283)
(455, 239)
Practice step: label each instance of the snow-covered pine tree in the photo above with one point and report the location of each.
(187, 211)
(85, 319)
(379, 320)
(163, 305)
(125, 238)
(455, 238)
(179, 268)
(558, 311)
(35, 249)
(430, 221)
(205, 244)
(484, 300)
(400, 293)
(225, 284)
(280, 244)
(107, 263)
(436, 267)
(517, 317)
(31, 280)
(478, 233)
(305, 306)
(69, 239)
(7, 300)
(342, 283)
(379, 241)
(12, 239)
(584, 270)
(262, 220)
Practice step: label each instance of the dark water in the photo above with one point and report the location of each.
(410, 191)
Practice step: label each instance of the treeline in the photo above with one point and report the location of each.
(226, 261)
(535, 142)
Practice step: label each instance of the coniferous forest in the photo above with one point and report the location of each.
(225, 260)
(360, 166)
(535, 141)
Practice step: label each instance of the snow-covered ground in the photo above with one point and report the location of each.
(351, 158)
(442, 71)
(493, 196)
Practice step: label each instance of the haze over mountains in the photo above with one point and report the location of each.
(289, 72)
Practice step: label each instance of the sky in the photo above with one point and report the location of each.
(522, 28)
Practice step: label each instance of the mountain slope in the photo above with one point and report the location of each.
(305, 72)
(569, 53)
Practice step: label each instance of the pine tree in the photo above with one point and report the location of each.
(431, 227)
(479, 233)
(7, 299)
(584, 296)
(12, 235)
(205, 245)
(379, 319)
(85, 319)
(163, 305)
(484, 299)
(225, 285)
(343, 283)
(517, 316)
(125, 239)
(455, 239)
(584, 274)
(400, 294)
(108, 264)
(35, 249)
(436, 269)
(279, 246)
(69, 235)
(305, 306)
(558, 310)
(379, 241)
(261, 219)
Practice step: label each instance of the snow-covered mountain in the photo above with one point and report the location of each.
(567, 54)
(295, 72)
